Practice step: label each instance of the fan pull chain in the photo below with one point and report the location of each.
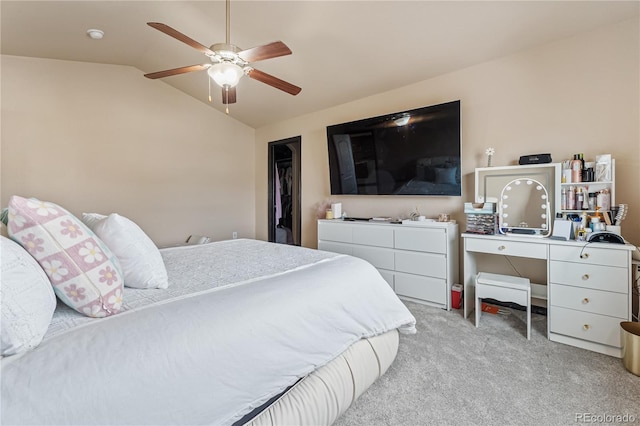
(226, 95)
(209, 80)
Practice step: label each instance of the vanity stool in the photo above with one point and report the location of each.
(504, 288)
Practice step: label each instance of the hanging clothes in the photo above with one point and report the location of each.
(278, 199)
(288, 177)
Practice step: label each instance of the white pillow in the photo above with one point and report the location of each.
(90, 219)
(27, 298)
(140, 259)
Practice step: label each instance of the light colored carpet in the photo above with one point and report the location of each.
(451, 372)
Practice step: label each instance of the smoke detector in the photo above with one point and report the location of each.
(95, 34)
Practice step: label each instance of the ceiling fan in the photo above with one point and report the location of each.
(228, 62)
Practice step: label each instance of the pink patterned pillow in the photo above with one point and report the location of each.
(83, 271)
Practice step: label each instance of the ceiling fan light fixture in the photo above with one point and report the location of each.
(225, 74)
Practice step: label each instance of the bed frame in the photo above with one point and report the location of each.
(322, 396)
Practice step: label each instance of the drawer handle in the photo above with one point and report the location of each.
(585, 277)
(586, 327)
(501, 248)
(584, 256)
(585, 300)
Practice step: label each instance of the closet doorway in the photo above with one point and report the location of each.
(284, 191)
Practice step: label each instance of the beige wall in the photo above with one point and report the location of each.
(575, 95)
(102, 138)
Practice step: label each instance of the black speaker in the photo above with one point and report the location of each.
(535, 159)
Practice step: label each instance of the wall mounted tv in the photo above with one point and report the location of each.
(414, 152)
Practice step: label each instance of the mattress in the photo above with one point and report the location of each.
(241, 322)
(200, 268)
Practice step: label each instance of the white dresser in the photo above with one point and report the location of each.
(588, 287)
(419, 261)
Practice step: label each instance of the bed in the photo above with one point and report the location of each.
(247, 332)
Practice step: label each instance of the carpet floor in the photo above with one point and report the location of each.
(451, 372)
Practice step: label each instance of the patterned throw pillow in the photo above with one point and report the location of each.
(83, 271)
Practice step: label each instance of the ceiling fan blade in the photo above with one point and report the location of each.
(274, 81)
(181, 37)
(176, 71)
(229, 96)
(266, 51)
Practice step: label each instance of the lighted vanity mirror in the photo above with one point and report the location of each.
(524, 208)
(490, 181)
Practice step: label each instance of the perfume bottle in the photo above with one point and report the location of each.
(571, 199)
(579, 198)
(585, 199)
(576, 169)
(592, 201)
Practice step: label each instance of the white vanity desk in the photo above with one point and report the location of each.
(588, 287)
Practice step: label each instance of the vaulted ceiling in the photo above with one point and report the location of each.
(342, 50)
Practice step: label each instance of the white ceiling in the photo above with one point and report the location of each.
(342, 50)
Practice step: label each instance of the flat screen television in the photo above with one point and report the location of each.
(415, 152)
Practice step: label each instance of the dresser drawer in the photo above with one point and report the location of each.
(590, 276)
(432, 265)
(593, 301)
(428, 240)
(585, 325)
(379, 257)
(419, 287)
(379, 236)
(588, 254)
(334, 247)
(335, 231)
(507, 248)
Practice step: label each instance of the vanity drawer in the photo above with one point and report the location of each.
(585, 325)
(598, 277)
(587, 300)
(588, 254)
(428, 240)
(432, 265)
(423, 288)
(507, 248)
(379, 236)
(379, 257)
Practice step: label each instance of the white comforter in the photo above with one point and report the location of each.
(230, 333)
